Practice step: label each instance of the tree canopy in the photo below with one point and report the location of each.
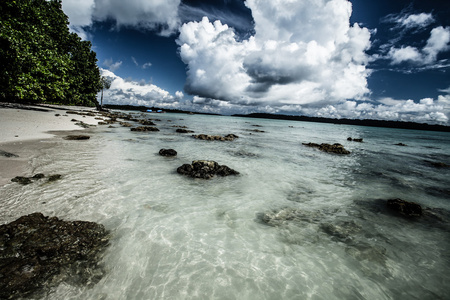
(41, 60)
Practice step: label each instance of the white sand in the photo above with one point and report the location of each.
(18, 124)
(24, 131)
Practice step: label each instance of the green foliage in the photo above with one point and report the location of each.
(41, 60)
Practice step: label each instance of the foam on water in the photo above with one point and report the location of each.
(296, 224)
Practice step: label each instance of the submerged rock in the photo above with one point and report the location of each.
(405, 208)
(38, 252)
(167, 152)
(438, 164)
(205, 169)
(335, 148)
(207, 137)
(7, 154)
(401, 144)
(77, 137)
(144, 128)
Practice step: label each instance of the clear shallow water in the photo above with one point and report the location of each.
(329, 237)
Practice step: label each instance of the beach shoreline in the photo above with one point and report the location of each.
(27, 130)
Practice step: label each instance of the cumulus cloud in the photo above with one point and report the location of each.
(427, 110)
(438, 42)
(136, 93)
(302, 53)
(160, 16)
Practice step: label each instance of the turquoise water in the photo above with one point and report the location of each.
(329, 235)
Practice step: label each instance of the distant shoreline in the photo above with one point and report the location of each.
(362, 122)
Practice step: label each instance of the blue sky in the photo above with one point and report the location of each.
(331, 58)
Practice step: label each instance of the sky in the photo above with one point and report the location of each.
(384, 59)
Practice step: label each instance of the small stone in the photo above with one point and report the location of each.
(167, 152)
(77, 137)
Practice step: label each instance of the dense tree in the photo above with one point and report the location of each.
(41, 61)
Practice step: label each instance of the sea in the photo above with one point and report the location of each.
(296, 223)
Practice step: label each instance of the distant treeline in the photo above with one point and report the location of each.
(41, 61)
(365, 122)
(154, 109)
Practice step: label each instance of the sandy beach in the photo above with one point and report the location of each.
(27, 130)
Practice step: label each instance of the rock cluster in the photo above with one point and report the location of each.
(207, 137)
(335, 148)
(144, 128)
(205, 169)
(168, 152)
(27, 180)
(405, 208)
(39, 251)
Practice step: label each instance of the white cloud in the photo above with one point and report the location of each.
(80, 15)
(134, 61)
(158, 15)
(111, 65)
(405, 54)
(437, 42)
(146, 65)
(426, 111)
(413, 20)
(179, 94)
(302, 52)
(136, 93)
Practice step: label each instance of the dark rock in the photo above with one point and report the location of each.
(335, 148)
(38, 176)
(38, 252)
(147, 122)
(77, 137)
(181, 130)
(167, 152)
(205, 169)
(360, 140)
(54, 177)
(254, 130)
(21, 180)
(405, 208)
(7, 154)
(207, 137)
(401, 144)
(144, 128)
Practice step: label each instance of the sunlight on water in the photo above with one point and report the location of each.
(297, 223)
